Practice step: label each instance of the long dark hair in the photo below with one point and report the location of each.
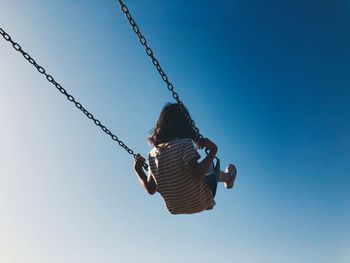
(171, 124)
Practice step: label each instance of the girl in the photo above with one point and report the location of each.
(186, 185)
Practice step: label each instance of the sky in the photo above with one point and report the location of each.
(267, 81)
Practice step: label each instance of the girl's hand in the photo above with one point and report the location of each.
(139, 161)
(208, 144)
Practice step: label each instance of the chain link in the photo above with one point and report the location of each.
(42, 71)
(157, 65)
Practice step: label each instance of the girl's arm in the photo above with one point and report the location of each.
(199, 169)
(147, 183)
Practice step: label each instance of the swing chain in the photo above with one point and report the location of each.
(41, 70)
(157, 65)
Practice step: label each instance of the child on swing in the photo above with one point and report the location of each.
(186, 185)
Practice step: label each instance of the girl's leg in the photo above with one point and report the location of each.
(224, 177)
(215, 175)
(229, 176)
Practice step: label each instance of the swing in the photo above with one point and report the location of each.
(97, 122)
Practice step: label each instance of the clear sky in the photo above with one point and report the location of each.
(268, 81)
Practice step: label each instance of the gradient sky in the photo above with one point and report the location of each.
(267, 81)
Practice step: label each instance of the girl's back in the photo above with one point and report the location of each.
(182, 193)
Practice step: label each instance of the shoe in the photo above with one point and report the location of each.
(230, 169)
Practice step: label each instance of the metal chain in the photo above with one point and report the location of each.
(155, 62)
(41, 70)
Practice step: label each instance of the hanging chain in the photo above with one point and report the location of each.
(155, 62)
(41, 70)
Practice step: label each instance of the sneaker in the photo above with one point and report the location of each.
(230, 169)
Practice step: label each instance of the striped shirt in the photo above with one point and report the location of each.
(182, 194)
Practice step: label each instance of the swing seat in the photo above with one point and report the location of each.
(212, 176)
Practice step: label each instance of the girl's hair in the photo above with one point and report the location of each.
(171, 124)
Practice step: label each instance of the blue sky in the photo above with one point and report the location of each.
(267, 81)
